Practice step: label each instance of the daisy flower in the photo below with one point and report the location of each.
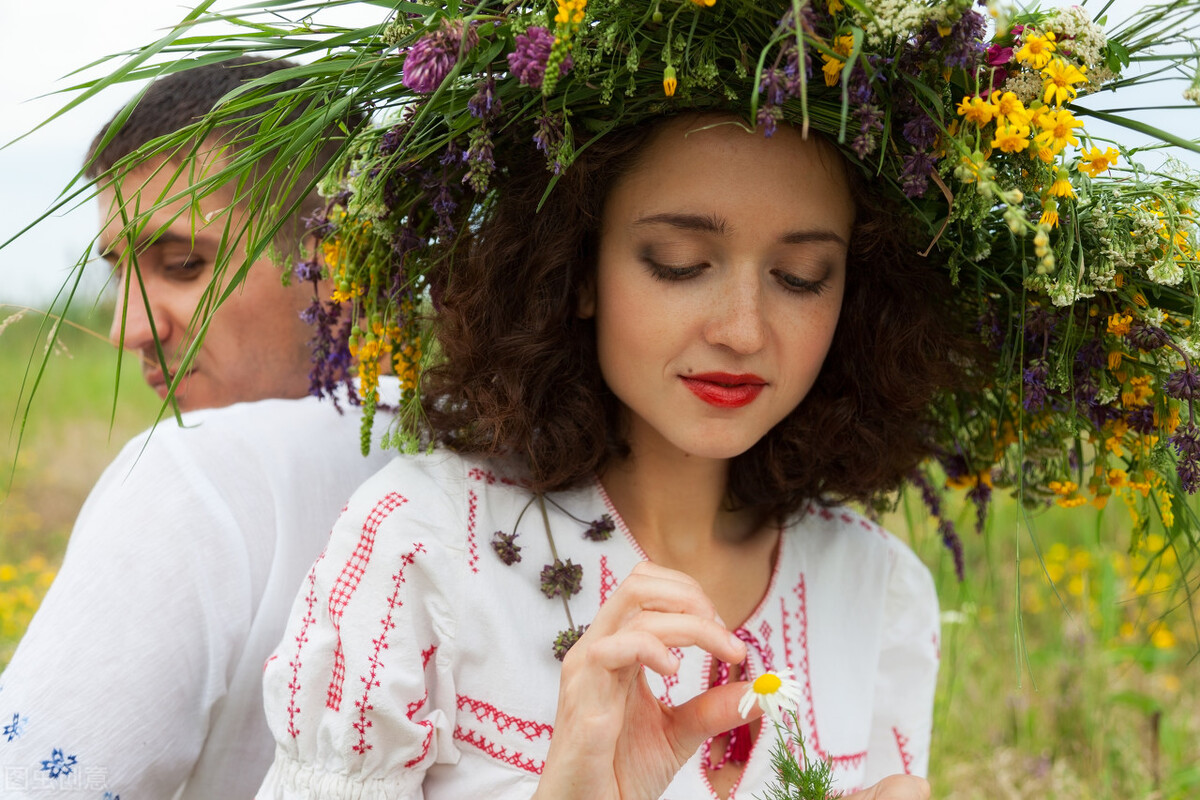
(774, 692)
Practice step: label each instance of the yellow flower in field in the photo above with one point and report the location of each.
(1117, 478)
(1009, 106)
(977, 109)
(1049, 214)
(1011, 139)
(1119, 324)
(1037, 50)
(1093, 162)
(835, 6)
(1060, 79)
(572, 11)
(842, 45)
(1062, 185)
(1057, 130)
(1162, 638)
(669, 81)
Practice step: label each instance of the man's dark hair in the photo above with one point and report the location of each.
(180, 100)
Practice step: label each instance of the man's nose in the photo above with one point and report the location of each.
(131, 324)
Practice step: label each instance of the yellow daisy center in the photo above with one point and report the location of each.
(767, 683)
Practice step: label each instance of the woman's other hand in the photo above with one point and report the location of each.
(613, 739)
(895, 787)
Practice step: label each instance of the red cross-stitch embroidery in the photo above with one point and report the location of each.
(482, 710)
(669, 681)
(902, 745)
(472, 548)
(768, 652)
(371, 679)
(801, 668)
(416, 706)
(310, 601)
(488, 477)
(498, 752)
(347, 584)
(607, 581)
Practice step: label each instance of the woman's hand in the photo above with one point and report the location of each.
(613, 740)
(895, 787)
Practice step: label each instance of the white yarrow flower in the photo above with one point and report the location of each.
(775, 693)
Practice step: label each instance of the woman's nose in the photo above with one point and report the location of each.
(738, 317)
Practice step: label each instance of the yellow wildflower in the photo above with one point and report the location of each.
(1162, 638)
(1117, 478)
(669, 81)
(1049, 214)
(1093, 162)
(572, 11)
(1119, 324)
(1060, 77)
(1057, 130)
(835, 6)
(1011, 139)
(1037, 50)
(1009, 106)
(1062, 185)
(833, 66)
(977, 109)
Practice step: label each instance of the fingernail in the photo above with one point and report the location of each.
(720, 621)
(736, 642)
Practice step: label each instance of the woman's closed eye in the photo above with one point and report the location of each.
(673, 272)
(183, 269)
(795, 283)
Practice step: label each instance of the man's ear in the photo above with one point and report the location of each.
(586, 307)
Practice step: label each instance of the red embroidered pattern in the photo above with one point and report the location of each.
(486, 476)
(371, 680)
(767, 652)
(670, 681)
(416, 706)
(301, 639)
(472, 548)
(803, 674)
(498, 752)
(607, 581)
(482, 710)
(347, 584)
(902, 745)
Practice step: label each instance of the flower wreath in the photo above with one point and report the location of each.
(1079, 264)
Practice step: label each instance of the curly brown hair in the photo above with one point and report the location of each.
(521, 375)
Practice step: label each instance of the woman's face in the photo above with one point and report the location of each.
(718, 285)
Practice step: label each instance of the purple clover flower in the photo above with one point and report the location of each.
(914, 176)
(964, 46)
(1142, 420)
(549, 133)
(1147, 337)
(433, 56)
(307, 270)
(530, 54)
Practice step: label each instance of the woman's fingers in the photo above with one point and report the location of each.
(708, 714)
(646, 638)
(895, 787)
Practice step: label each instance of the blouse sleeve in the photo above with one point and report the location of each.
(906, 677)
(360, 693)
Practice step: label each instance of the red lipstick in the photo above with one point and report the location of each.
(723, 390)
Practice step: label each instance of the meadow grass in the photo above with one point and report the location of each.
(1066, 671)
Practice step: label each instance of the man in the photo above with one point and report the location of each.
(257, 345)
(140, 674)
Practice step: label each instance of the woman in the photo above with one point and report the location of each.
(649, 351)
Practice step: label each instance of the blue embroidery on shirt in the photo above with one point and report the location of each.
(14, 729)
(58, 765)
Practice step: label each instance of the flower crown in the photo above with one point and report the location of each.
(1079, 265)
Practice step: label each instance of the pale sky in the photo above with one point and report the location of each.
(42, 42)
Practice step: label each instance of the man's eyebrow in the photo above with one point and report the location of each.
(142, 242)
(709, 224)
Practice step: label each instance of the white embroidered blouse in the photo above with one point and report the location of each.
(417, 664)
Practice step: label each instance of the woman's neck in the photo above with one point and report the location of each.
(675, 503)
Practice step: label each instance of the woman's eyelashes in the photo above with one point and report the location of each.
(673, 271)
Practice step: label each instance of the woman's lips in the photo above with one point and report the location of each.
(723, 390)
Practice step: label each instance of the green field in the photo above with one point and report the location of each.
(1086, 688)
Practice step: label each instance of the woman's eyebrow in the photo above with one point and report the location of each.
(109, 252)
(703, 223)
